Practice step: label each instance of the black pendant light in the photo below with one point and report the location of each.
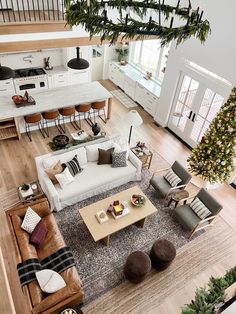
(78, 63)
(6, 73)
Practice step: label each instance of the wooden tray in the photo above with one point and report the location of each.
(25, 103)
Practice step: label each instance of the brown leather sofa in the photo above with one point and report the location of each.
(38, 301)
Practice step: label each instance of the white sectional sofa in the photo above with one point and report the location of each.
(93, 180)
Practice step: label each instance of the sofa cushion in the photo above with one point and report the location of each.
(186, 216)
(92, 150)
(65, 178)
(104, 156)
(56, 169)
(92, 177)
(160, 184)
(38, 235)
(49, 280)
(73, 165)
(50, 161)
(30, 221)
(119, 159)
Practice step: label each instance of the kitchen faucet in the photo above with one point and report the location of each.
(28, 58)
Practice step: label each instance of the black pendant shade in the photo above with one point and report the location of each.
(6, 73)
(78, 63)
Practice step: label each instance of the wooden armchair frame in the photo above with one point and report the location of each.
(171, 189)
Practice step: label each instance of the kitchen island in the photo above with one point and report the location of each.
(55, 98)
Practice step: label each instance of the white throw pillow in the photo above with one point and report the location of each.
(64, 178)
(30, 221)
(172, 178)
(199, 208)
(50, 281)
(92, 150)
(121, 148)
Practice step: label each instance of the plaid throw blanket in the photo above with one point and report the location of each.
(58, 261)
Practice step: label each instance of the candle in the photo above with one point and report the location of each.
(106, 6)
(128, 10)
(200, 18)
(88, 3)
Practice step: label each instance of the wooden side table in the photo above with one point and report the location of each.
(34, 193)
(145, 155)
(178, 196)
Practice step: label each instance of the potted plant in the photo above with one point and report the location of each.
(122, 50)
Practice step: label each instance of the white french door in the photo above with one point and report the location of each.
(197, 101)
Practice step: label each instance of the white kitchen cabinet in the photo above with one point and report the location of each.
(60, 79)
(129, 86)
(146, 99)
(116, 75)
(78, 77)
(7, 87)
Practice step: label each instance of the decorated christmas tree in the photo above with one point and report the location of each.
(213, 159)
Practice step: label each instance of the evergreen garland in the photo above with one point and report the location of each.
(206, 299)
(96, 23)
(213, 159)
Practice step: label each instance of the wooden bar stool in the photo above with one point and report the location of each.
(34, 119)
(99, 108)
(68, 112)
(52, 115)
(84, 113)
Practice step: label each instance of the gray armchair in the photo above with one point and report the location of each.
(163, 187)
(189, 220)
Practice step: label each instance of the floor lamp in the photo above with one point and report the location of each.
(133, 119)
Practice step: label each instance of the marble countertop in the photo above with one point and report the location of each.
(56, 70)
(152, 86)
(55, 98)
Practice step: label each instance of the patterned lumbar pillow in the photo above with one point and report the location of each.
(64, 178)
(50, 281)
(172, 178)
(73, 166)
(30, 221)
(199, 208)
(119, 159)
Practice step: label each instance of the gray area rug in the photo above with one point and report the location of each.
(101, 267)
(123, 98)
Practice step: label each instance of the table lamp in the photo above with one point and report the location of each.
(134, 119)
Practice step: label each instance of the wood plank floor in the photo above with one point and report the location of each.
(17, 166)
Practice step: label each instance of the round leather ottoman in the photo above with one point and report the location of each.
(137, 266)
(162, 254)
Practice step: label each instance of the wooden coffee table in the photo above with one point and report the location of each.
(104, 231)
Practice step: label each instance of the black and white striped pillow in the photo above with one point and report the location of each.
(73, 166)
(199, 208)
(172, 178)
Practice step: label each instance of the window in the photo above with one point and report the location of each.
(149, 56)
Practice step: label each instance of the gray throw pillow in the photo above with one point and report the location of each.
(119, 159)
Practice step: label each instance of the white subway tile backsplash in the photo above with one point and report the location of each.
(16, 60)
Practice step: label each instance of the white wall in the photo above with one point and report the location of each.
(109, 55)
(217, 54)
(16, 60)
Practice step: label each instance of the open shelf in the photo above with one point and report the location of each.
(8, 129)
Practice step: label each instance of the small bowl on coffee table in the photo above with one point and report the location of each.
(138, 200)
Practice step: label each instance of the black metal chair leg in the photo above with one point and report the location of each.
(41, 129)
(73, 123)
(104, 113)
(58, 126)
(45, 127)
(27, 129)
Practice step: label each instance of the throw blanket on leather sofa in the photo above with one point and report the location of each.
(58, 261)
